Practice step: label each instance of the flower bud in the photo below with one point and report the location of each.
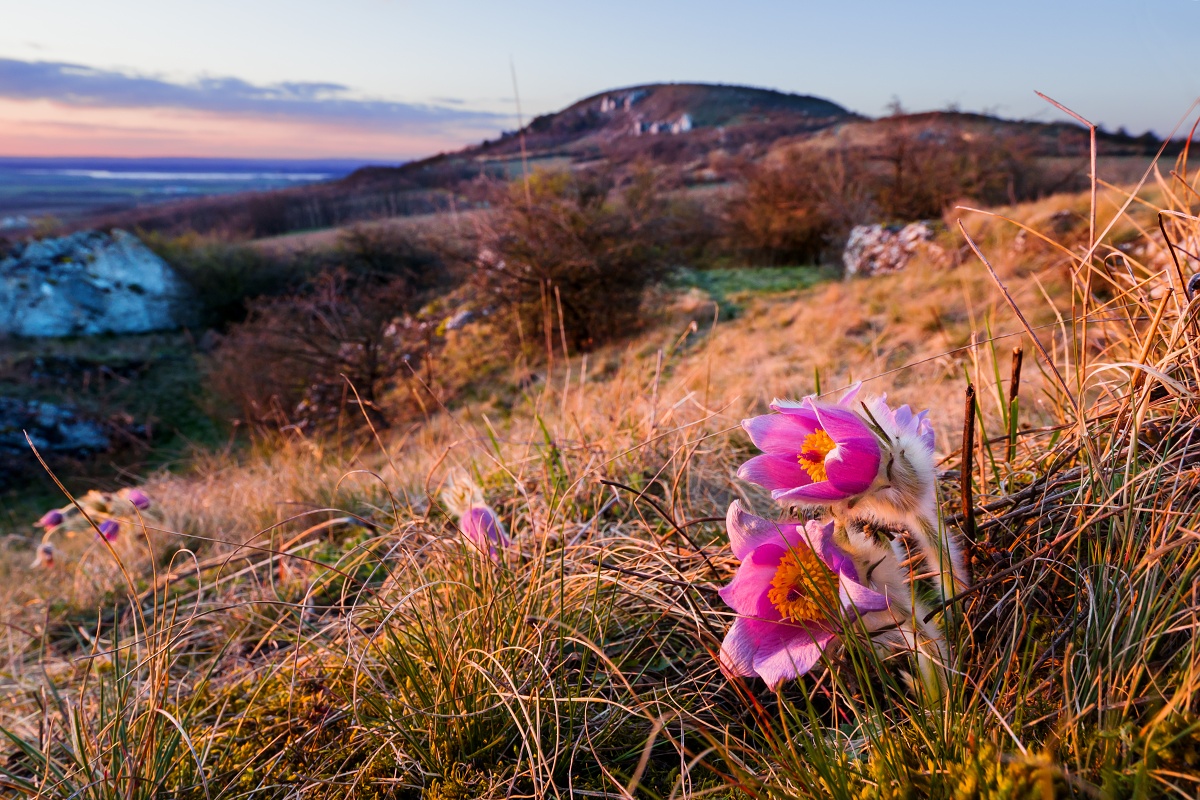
(482, 526)
(51, 519)
(44, 557)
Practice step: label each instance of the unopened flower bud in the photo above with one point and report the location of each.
(482, 526)
(44, 557)
(51, 519)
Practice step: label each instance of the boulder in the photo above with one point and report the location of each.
(85, 284)
(52, 428)
(877, 249)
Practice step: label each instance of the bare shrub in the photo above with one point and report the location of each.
(927, 170)
(800, 208)
(339, 344)
(794, 212)
(573, 242)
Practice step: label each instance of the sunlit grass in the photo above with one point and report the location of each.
(370, 651)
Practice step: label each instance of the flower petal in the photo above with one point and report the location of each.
(851, 395)
(738, 649)
(752, 579)
(801, 410)
(862, 599)
(50, 519)
(483, 529)
(853, 466)
(776, 662)
(820, 539)
(748, 531)
(841, 423)
(779, 434)
(774, 473)
(816, 494)
(925, 430)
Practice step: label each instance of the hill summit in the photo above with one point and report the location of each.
(675, 108)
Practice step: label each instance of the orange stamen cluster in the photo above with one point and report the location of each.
(803, 586)
(817, 445)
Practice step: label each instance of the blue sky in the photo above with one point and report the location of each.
(395, 79)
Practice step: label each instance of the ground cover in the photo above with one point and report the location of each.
(308, 619)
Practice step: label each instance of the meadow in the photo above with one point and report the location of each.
(311, 617)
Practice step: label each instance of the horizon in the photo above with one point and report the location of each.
(390, 82)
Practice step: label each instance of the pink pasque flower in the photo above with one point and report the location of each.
(791, 593)
(483, 528)
(109, 529)
(139, 498)
(51, 519)
(813, 452)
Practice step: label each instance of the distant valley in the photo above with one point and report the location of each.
(33, 189)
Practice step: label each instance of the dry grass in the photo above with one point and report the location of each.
(369, 651)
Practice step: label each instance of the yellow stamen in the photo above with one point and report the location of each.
(799, 581)
(812, 455)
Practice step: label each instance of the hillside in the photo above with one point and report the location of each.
(696, 132)
(313, 619)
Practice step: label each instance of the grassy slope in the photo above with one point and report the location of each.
(388, 660)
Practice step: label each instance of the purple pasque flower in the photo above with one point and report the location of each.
(483, 528)
(813, 452)
(139, 498)
(51, 519)
(903, 423)
(791, 593)
(109, 529)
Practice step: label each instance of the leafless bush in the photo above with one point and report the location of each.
(339, 344)
(799, 209)
(925, 170)
(793, 212)
(568, 249)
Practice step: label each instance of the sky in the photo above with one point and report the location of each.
(391, 80)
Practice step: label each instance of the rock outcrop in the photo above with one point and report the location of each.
(877, 249)
(86, 284)
(52, 428)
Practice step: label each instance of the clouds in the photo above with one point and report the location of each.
(326, 103)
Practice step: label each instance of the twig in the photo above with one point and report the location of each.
(964, 479)
(670, 520)
(1183, 287)
(1014, 389)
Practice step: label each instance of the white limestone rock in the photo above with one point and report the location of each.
(878, 249)
(85, 284)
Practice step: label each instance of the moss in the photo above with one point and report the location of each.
(986, 773)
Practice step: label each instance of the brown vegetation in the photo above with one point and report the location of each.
(338, 342)
(566, 254)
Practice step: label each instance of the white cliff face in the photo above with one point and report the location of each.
(86, 284)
